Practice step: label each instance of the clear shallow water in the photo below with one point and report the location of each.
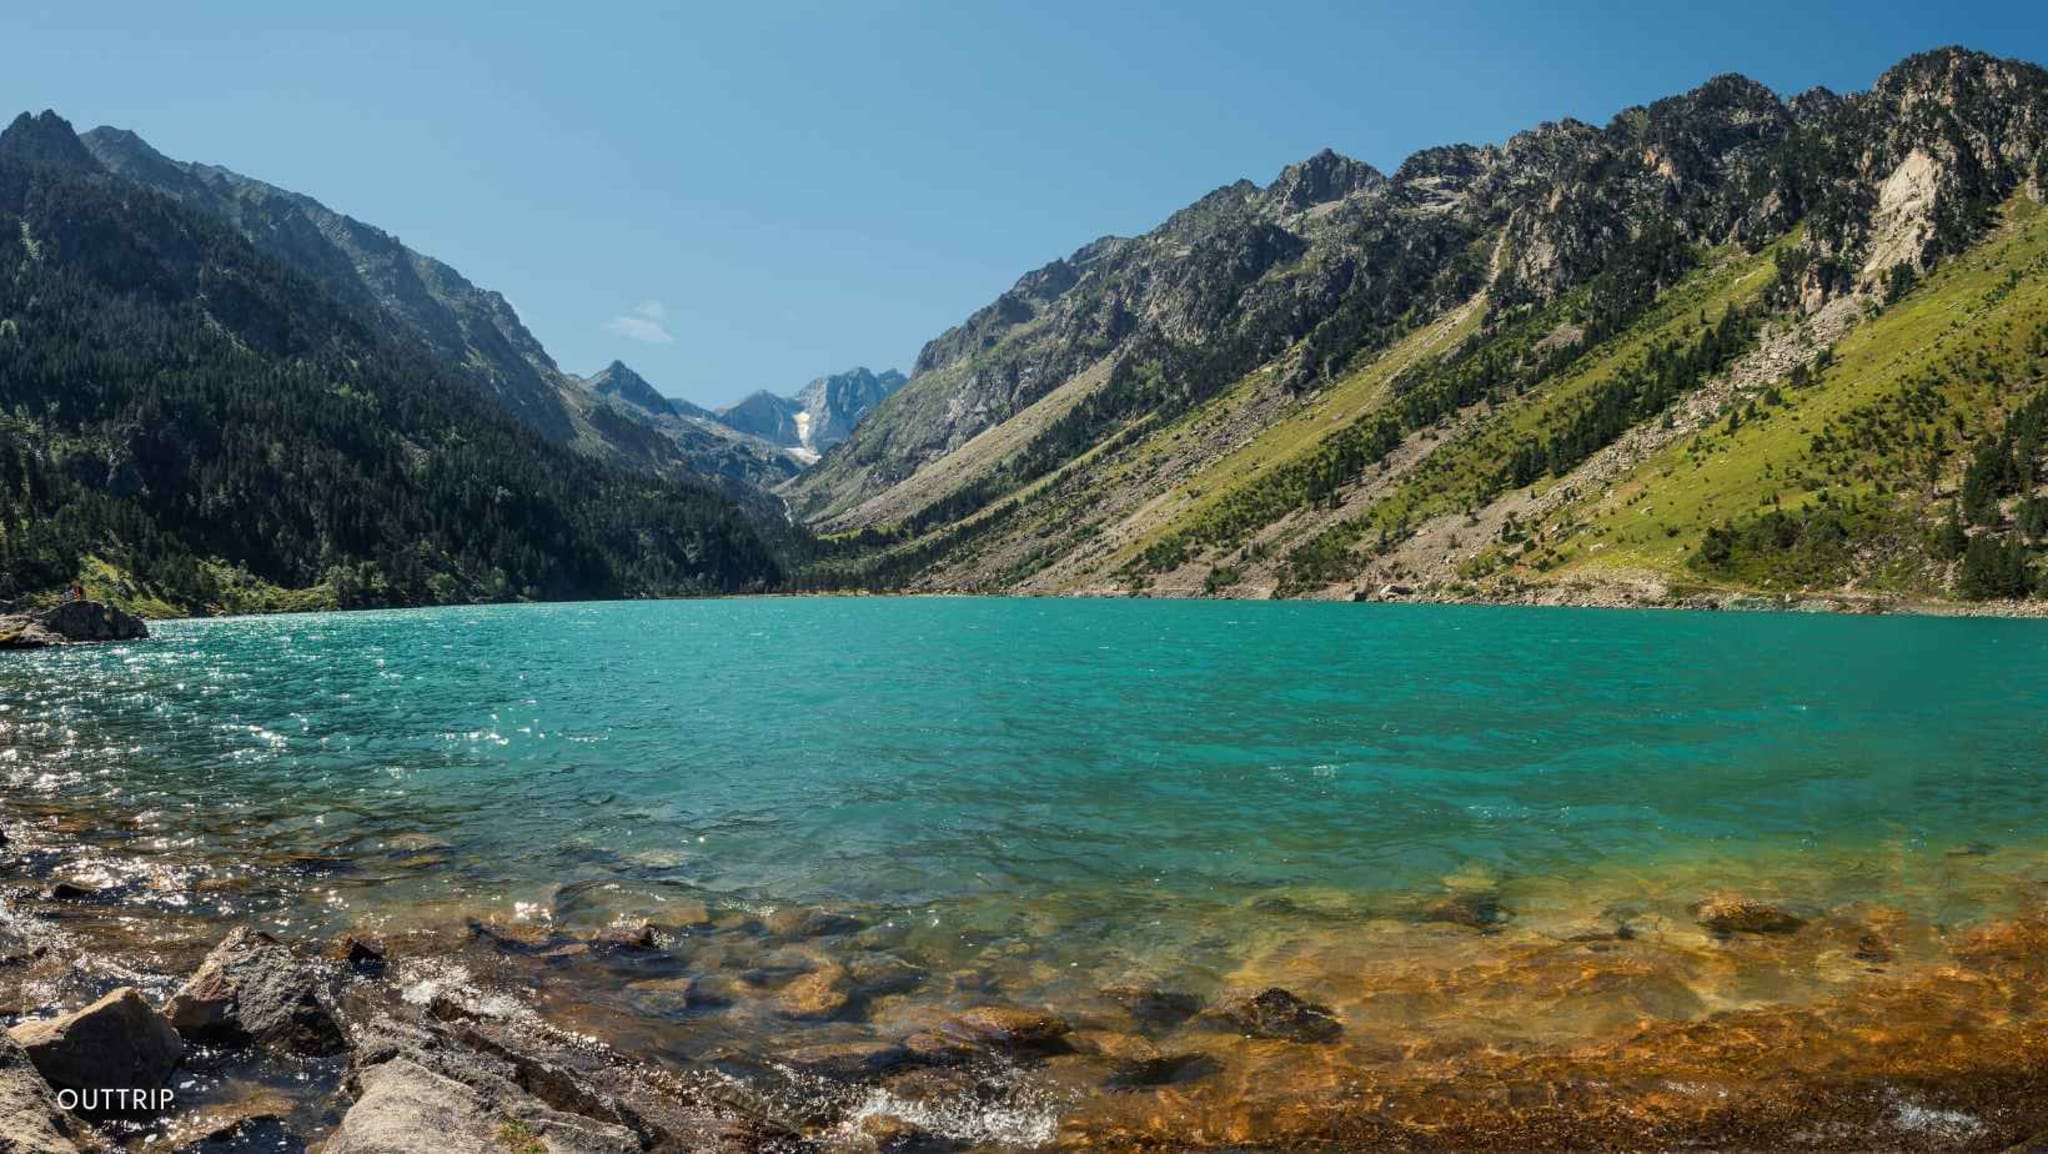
(939, 753)
(1476, 836)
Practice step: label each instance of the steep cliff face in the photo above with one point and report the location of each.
(833, 405)
(1313, 369)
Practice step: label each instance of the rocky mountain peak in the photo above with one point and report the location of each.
(45, 138)
(618, 380)
(820, 415)
(1813, 104)
(1949, 67)
(1324, 177)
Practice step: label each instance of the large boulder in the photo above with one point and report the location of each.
(30, 1120)
(118, 1043)
(518, 1065)
(91, 621)
(69, 622)
(253, 989)
(405, 1108)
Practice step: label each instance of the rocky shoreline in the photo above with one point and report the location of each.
(1472, 1021)
(1626, 596)
(88, 621)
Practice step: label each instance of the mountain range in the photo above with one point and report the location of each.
(820, 415)
(1727, 342)
(196, 421)
(464, 325)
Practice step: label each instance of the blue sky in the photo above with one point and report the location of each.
(746, 195)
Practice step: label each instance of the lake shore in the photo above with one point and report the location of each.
(1607, 1013)
(1622, 590)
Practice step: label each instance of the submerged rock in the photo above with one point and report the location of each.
(118, 1043)
(1008, 1028)
(847, 1061)
(1738, 915)
(802, 922)
(877, 975)
(1154, 1007)
(627, 936)
(1873, 946)
(1276, 1013)
(252, 988)
(256, 1124)
(932, 1048)
(518, 937)
(669, 995)
(30, 1120)
(1136, 1063)
(250, 1134)
(1478, 910)
(821, 994)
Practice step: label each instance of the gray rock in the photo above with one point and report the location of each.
(252, 989)
(515, 1061)
(30, 1120)
(404, 1108)
(118, 1043)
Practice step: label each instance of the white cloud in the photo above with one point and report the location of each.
(642, 323)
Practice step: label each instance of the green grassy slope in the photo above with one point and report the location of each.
(1472, 469)
(1865, 459)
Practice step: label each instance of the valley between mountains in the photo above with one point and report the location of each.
(1729, 344)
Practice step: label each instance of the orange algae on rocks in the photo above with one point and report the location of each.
(1953, 1056)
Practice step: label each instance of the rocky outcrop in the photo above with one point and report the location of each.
(118, 1043)
(481, 1071)
(72, 621)
(252, 989)
(30, 1120)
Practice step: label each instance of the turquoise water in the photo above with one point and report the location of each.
(916, 753)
